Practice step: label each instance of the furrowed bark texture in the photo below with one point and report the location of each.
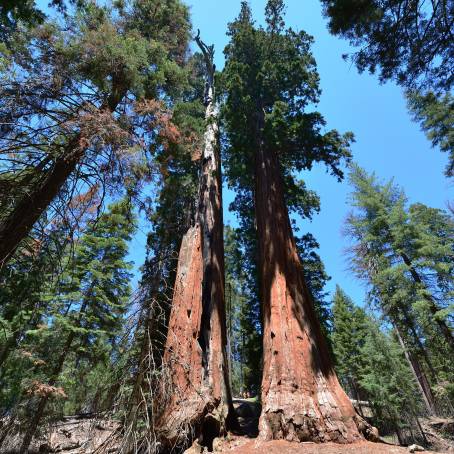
(195, 353)
(302, 399)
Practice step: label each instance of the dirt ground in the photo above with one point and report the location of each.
(83, 434)
(248, 412)
(240, 445)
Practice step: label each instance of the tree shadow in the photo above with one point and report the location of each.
(248, 414)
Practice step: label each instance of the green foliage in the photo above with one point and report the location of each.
(170, 211)
(120, 79)
(348, 339)
(389, 234)
(411, 43)
(103, 79)
(436, 116)
(76, 319)
(14, 14)
(387, 379)
(173, 208)
(405, 255)
(270, 84)
(316, 279)
(272, 72)
(243, 317)
(371, 366)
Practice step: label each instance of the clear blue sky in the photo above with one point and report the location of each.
(387, 141)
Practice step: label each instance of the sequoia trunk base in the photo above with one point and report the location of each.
(302, 399)
(198, 403)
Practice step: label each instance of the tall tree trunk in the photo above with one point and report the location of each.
(195, 354)
(444, 328)
(229, 332)
(411, 325)
(301, 396)
(421, 379)
(29, 209)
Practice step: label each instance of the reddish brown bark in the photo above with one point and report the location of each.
(195, 353)
(301, 396)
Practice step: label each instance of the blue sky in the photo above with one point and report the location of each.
(387, 141)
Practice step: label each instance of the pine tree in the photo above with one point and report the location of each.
(23, 282)
(316, 279)
(405, 255)
(369, 361)
(270, 79)
(348, 339)
(436, 116)
(87, 305)
(387, 381)
(383, 231)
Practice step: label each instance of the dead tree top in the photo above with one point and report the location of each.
(208, 54)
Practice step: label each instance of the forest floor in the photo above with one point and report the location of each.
(83, 434)
(248, 412)
(242, 445)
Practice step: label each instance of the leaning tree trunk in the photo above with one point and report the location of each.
(420, 376)
(199, 401)
(301, 396)
(31, 206)
(29, 209)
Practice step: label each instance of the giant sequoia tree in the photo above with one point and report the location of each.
(271, 80)
(195, 350)
(170, 216)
